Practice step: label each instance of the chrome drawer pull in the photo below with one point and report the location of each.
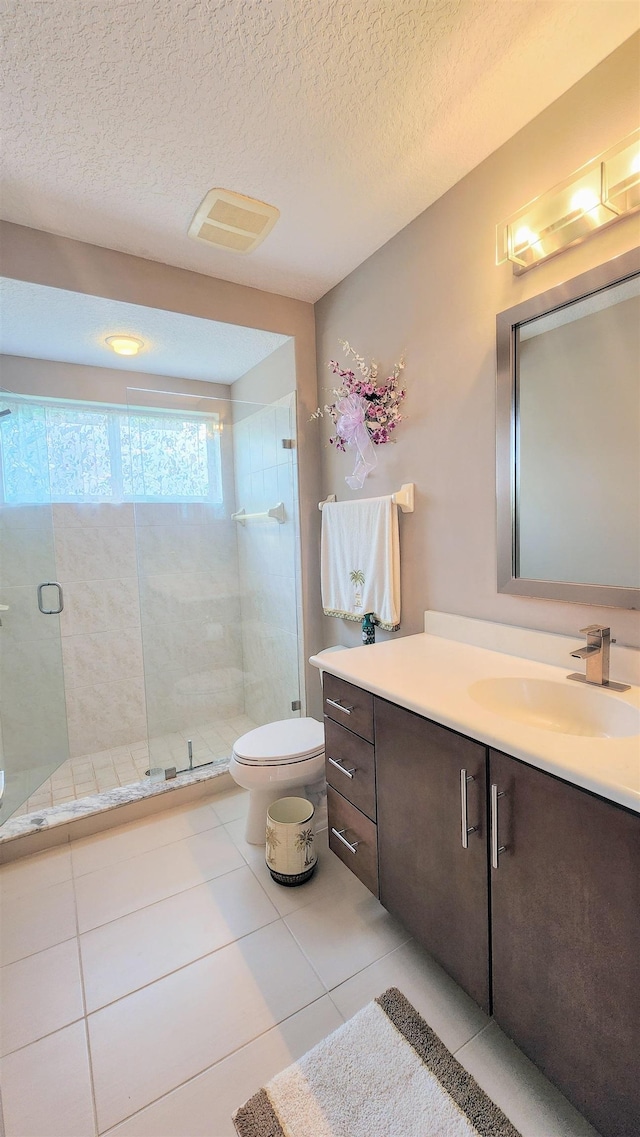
(350, 773)
(495, 848)
(339, 834)
(466, 828)
(338, 705)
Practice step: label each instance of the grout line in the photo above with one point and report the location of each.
(373, 963)
(473, 1037)
(205, 1069)
(153, 849)
(84, 1005)
(38, 952)
(306, 957)
(336, 1008)
(181, 967)
(161, 899)
(41, 1037)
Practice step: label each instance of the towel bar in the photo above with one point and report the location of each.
(276, 514)
(404, 497)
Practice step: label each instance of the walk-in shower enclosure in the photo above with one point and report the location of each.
(149, 584)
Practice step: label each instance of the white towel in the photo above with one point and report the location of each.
(361, 560)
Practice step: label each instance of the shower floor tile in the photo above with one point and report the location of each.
(91, 774)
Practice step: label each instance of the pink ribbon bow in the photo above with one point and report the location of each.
(351, 427)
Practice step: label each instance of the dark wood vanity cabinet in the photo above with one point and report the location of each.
(350, 769)
(427, 878)
(549, 940)
(565, 934)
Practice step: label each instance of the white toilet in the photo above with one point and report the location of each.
(273, 760)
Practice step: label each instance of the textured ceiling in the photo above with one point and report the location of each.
(50, 323)
(351, 116)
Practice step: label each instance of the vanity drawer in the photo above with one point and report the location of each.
(348, 705)
(360, 833)
(354, 775)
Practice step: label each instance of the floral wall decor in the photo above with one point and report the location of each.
(365, 412)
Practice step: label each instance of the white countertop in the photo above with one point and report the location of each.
(431, 676)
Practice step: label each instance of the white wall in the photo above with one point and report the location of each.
(433, 292)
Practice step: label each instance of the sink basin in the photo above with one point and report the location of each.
(556, 707)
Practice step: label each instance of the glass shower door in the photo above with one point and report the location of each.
(216, 535)
(33, 720)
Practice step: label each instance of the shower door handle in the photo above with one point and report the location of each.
(1, 785)
(50, 611)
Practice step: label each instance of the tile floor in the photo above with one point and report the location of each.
(154, 977)
(106, 770)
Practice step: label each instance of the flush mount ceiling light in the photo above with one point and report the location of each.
(596, 195)
(125, 345)
(232, 222)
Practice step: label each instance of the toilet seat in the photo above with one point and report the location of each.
(282, 743)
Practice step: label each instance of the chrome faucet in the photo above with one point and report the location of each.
(596, 653)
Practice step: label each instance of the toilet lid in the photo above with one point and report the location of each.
(276, 743)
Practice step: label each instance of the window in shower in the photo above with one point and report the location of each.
(82, 453)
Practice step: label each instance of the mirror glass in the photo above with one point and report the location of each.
(571, 441)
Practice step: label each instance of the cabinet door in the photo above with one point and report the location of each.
(435, 886)
(565, 904)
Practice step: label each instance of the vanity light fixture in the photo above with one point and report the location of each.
(125, 345)
(596, 195)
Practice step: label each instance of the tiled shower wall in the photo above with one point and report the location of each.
(100, 626)
(185, 628)
(175, 615)
(268, 555)
(190, 610)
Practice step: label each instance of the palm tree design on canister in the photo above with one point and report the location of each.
(272, 842)
(304, 840)
(356, 576)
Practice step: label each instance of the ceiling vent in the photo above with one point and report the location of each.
(232, 221)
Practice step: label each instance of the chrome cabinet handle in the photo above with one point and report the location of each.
(338, 705)
(349, 773)
(496, 849)
(466, 828)
(339, 833)
(50, 611)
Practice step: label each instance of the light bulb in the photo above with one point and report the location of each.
(635, 164)
(124, 345)
(524, 236)
(583, 200)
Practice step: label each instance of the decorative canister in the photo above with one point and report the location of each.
(290, 850)
(368, 629)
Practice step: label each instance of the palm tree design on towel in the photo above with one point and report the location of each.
(304, 840)
(356, 576)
